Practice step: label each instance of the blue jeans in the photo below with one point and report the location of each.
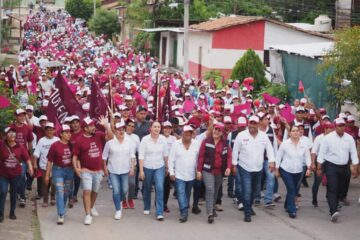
(291, 181)
(22, 184)
(270, 183)
(230, 184)
(156, 176)
(63, 180)
(249, 183)
(14, 183)
(183, 189)
(238, 187)
(197, 192)
(120, 183)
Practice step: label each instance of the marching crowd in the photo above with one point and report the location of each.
(209, 133)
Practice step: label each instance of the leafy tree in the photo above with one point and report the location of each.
(81, 8)
(216, 76)
(343, 63)
(7, 114)
(105, 22)
(250, 65)
(277, 90)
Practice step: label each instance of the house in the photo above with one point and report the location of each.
(218, 44)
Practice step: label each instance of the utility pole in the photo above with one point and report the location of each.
(94, 7)
(186, 36)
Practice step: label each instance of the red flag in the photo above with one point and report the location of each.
(240, 107)
(62, 103)
(98, 103)
(270, 99)
(287, 114)
(166, 106)
(301, 87)
(155, 92)
(4, 102)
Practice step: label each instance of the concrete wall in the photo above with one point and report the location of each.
(276, 34)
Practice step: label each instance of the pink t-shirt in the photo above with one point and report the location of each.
(60, 154)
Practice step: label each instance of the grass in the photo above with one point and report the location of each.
(35, 224)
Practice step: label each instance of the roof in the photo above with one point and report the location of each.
(312, 50)
(164, 29)
(234, 20)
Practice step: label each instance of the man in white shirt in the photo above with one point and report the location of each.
(333, 156)
(182, 166)
(248, 159)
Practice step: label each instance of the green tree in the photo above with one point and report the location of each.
(343, 63)
(105, 22)
(81, 8)
(7, 114)
(250, 65)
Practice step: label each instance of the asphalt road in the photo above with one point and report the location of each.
(311, 223)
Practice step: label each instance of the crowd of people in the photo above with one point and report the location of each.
(205, 138)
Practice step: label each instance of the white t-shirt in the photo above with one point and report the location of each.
(119, 155)
(42, 149)
(153, 153)
(135, 141)
(47, 86)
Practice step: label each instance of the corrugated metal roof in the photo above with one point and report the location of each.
(164, 29)
(312, 50)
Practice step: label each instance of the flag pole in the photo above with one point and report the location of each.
(110, 94)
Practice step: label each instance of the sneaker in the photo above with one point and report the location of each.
(71, 203)
(269, 205)
(118, 215)
(131, 204)
(1, 218)
(60, 220)
(196, 210)
(241, 207)
(38, 197)
(277, 197)
(315, 203)
(110, 186)
(160, 218)
(94, 212)
(292, 215)
(218, 208)
(88, 219)
(334, 217)
(183, 219)
(124, 205)
(214, 213)
(12, 216)
(146, 212)
(211, 219)
(257, 203)
(247, 218)
(22, 202)
(345, 202)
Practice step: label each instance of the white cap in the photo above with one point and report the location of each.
(244, 89)
(19, 111)
(187, 94)
(45, 103)
(261, 114)
(227, 119)
(325, 116)
(227, 106)
(211, 90)
(300, 108)
(173, 108)
(242, 121)
(47, 94)
(120, 124)
(65, 127)
(202, 96)
(86, 106)
(29, 107)
(117, 114)
(167, 124)
(187, 128)
(303, 100)
(43, 118)
(150, 98)
(339, 121)
(50, 124)
(342, 115)
(128, 97)
(254, 118)
(228, 92)
(311, 112)
(281, 106)
(350, 118)
(75, 117)
(68, 119)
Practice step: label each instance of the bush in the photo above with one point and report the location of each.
(216, 76)
(250, 65)
(105, 22)
(277, 90)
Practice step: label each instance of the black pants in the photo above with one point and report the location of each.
(315, 186)
(344, 190)
(4, 184)
(336, 180)
(167, 185)
(198, 192)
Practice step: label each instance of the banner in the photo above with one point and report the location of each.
(166, 106)
(62, 103)
(98, 103)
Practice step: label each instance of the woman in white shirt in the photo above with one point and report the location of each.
(292, 153)
(153, 156)
(121, 162)
(170, 139)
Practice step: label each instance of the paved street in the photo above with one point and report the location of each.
(312, 223)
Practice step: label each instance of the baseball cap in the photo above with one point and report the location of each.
(120, 124)
(350, 118)
(339, 121)
(43, 118)
(49, 125)
(254, 118)
(220, 126)
(29, 107)
(141, 108)
(167, 124)
(128, 98)
(261, 115)
(325, 117)
(187, 128)
(87, 122)
(117, 114)
(65, 128)
(8, 129)
(242, 122)
(19, 111)
(300, 109)
(227, 119)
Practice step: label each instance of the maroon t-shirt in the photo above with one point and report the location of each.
(74, 136)
(60, 154)
(39, 132)
(23, 134)
(11, 159)
(89, 151)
